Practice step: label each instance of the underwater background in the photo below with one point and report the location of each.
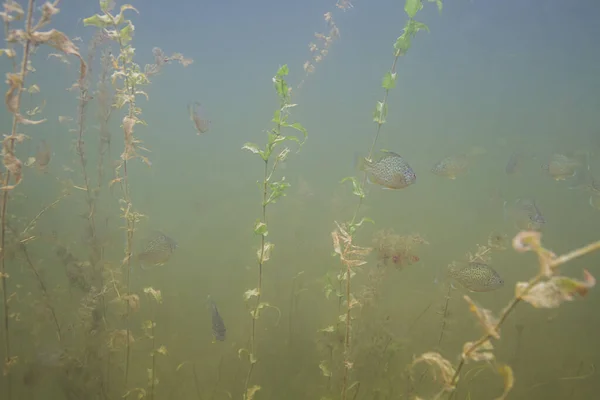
(133, 222)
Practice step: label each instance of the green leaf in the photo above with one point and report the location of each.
(380, 113)
(126, 34)
(260, 228)
(357, 190)
(297, 126)
(120, 18)
(402, 44)
(100, 21)
(389, 80)
(413, 27)
(254, 148)
(104, 5)
(283, 71)
(276, 190)
(277, 117)
(281, 87)
(439, 4)
(411, 7)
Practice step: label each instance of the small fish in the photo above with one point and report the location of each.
(201, 124)
(524, 213)
(476, 277)
(157, 250)
(512, 164)
(561, 167)
(43, 156)
(450, 167)
(391, 171)
(218, 326)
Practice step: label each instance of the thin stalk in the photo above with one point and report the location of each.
(130, 222)
(31, 266)
(104, 113)
(7, 176)
(83, 102)
(445, 314)
(380, 123)
(153, 375)
(347, 364)
(265, 196)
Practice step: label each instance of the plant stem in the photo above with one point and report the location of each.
(11, 147)
(153, 375)
(380, 123)
(127, 198)
(83, 102)
(23, 248)
(347, 364)
(265, 196)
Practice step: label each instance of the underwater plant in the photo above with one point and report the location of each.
(28, 37)
(547, 289)
(352, 256)
(272, 190)
(149, 328)
(120, 29)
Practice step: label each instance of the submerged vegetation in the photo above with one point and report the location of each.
(81, 321)
(272, 190)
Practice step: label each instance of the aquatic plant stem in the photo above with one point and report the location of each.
(6, 181)
(347, 364)
(126, 215)
(83, 102)
(380, 121)
(45, 293)
(550, 264)
(153, 375)
(265, 196)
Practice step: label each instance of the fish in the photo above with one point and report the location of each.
(391, 171)
(201, 124)
(43, 156)
(561, 167)
(157, 250)
(218, 326)
(476, 277)
(524, 213)
(450, 167)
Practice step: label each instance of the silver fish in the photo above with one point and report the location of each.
(218, 326)
(391, 171)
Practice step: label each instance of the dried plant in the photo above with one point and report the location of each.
(547, 289)
(120, 29)
(30, 37)
(352, 257)
(320, 50)
(149, 330)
